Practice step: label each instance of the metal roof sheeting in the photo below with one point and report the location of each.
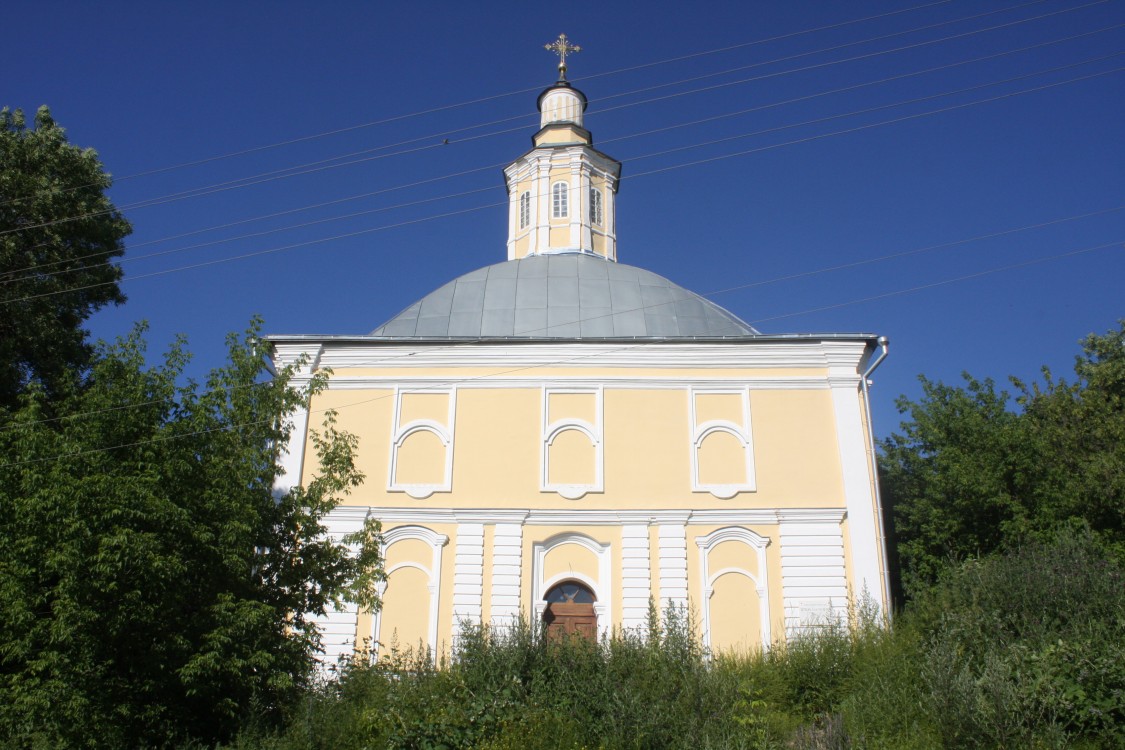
(563, 296)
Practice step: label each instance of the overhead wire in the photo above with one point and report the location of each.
(660, 170)
(300, 170)
(323, 164)
(643, 156)
(712, 293)
(493, 97)
(713, 118)
(461, 381)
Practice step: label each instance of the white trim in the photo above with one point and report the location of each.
(507, 574)
(671, 542)
(433, 574)
(376, 382)
(736, 354)
(553, 429)
(444, 433)
(757, 543)
(579, 516)
(743, 432)
(857, 486)
(339, 626)
(560, 200)
(603, 588)
(468, 574)
(291, 456)
(814, 587)
(636, 575)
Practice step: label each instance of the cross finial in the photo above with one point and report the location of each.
(561, 47)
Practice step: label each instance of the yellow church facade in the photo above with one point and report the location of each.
(563, 437)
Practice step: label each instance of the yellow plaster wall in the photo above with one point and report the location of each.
(733, 554)
(368, 415)
(718, 406)
(559, 135)
(722, 459)
(736, 554)
(571, 406)
(421, 459)
(499, 440)
(647, 447)
(568, 559)
(735, 615)
(560, 236)
(647, 458)
(414, 406)
(406, 610)
(409, 550)
(796, 456)
(572, 459)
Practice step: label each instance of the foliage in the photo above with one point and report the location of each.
(1027, 647)
(975, 471)
(155, 588)
(58, 234)
(1023, 649)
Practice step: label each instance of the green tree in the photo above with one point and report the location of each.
(977, 470)
(155, 588)
(58, 234)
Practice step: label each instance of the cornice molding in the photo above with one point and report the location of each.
(368, 382)
(596, 517)
(736, 354)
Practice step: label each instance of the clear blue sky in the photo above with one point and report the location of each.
(152, 85)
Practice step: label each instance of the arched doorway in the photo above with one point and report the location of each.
(570, 611)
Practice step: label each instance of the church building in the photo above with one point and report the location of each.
(565, 437)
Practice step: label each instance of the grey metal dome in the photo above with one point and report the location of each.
(569, 295)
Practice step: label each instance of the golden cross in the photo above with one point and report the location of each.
(561, 47)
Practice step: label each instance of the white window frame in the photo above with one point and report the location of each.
(744, 433)
(757, 545)
(560, 200)
(525, 209)
(443, 432)
(432, 573)
(596, 212)
(592, 432)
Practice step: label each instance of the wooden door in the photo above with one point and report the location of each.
(570, 619)
(570, 611)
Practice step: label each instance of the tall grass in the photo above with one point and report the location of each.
(1026, 650)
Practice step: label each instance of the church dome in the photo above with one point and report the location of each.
(562, 296)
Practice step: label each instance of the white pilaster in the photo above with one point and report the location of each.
(305, 358)
(672, 548)
(338, 625)
(507, 564)
(814, 589)
(843, 379)
(636, 584)
(468, 574)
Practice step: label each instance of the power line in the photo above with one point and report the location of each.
(713, 293)
(966, 277)
(634, 176)
(880, 124)
(299, 170)
(619, 138)
(324, 164)
(461, 381)
(493, 97)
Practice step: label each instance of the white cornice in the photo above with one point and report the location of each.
(368, 382)
(741, 353)
(597, 517)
